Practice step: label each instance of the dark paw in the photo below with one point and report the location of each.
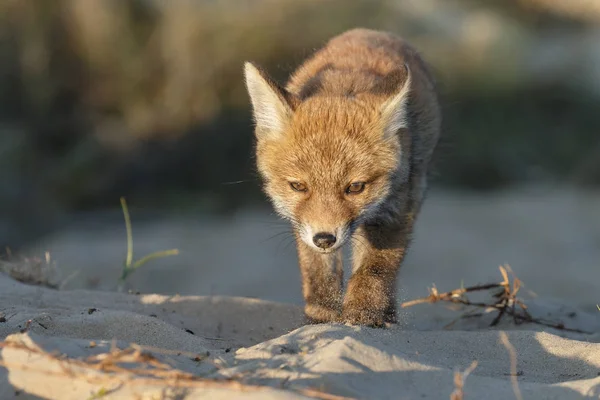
(390, 316)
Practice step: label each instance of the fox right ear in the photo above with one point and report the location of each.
(394, 112)
(272, 105)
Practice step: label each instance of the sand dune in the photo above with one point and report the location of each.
(263, 343)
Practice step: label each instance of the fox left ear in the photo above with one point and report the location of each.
(272, 105)
(394, 112)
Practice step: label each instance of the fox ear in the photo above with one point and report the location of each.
(394, 112)
(272, 105)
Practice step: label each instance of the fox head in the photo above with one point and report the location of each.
(327, 162)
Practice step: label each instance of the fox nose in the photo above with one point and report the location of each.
(324, 240)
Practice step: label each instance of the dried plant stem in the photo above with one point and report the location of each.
(454, 296)
(459, 382)
(513, 364)
(507, 302)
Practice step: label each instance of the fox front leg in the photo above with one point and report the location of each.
(321, 284)
(371, 295)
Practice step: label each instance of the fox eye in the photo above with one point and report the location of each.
(298, 187)
(355, 188)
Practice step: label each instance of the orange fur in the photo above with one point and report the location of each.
(361, 113)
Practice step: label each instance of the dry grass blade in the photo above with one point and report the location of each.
(513, 364)
(506, 301)
(148, 372)
(459, 382)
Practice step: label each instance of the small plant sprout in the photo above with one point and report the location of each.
(129, 266)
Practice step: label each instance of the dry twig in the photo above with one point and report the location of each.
(507, 302)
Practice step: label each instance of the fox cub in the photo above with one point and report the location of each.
(343, 151)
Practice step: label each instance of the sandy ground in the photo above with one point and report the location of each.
(215, 329)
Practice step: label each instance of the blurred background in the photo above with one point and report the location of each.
(145, 99)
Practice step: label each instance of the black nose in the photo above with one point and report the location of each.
(324, 240)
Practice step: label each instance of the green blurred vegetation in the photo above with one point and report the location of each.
(145, 99)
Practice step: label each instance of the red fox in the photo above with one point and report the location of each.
(343, 151)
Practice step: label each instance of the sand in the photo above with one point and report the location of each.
(263, 343)
(257, 348)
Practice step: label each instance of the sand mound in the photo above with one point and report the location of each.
(226, 347)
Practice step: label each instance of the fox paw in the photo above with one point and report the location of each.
(318, 314)
(363, 315)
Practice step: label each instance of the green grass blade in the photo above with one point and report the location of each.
(152, 256)
(129, 258)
